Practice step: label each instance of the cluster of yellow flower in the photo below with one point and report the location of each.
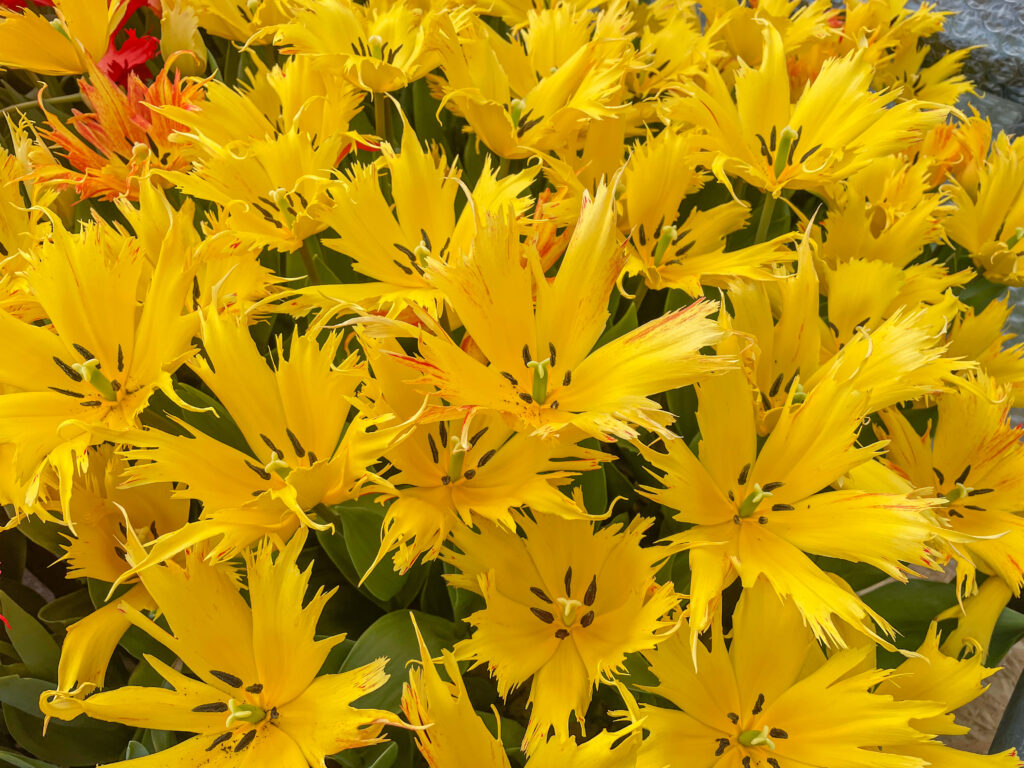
(406, 290)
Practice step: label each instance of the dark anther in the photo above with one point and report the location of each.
(486, 457)
(84, 352)
(765, 402)
(526, 355)
(540, 593)
(433, 448)
(746, 761)
(954, 513)
(561, 634)
(769, 487)
(552, 353)
(554, 405)
(405, 251)
(426, 239)
(525, 398)
(255, 689)
(776, 386)
(972, 492)
(115, 385)
(732, 496)
(832, 327)
(543, 615)
(446, 480)
(442, 432)
(736, 519)
(312, 458)
(67, 392)
(792, 150)
(772, 138)
(511, 379)
(267, 441)
(296, 445)
(91, 403)
(773, 762)
(120, 358)
(473, 440)
(227, 678)
(778, 733)
(218, 741)
(963, 475)
(809, 152)
(469, 474)
(588, 619)
(195, 297)
(246, 740)
(723, 744)
(264, 475)
(70, 372)
(591, 593)
(762, 520)
(213, 706)
(401, 266)
(733, 718)
(758, 704)
(152, 530)
(742, 479)
(974, 507)
(782, 507)
(567, 379)
(568, 580)
(274, 714)
(938, 474)
(764, 146)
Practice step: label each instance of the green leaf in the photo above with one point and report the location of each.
(217, 424)
(135, 749)
(1010, 732)
(361, 525)
(20, 761)
(23, 692)
(49, 536)
(80, 742)
(910, 608)
(387, 757)
(33, 643)
(1008, 631)
(979, 293)
(624, 325)
(66, 609)
(392, 635)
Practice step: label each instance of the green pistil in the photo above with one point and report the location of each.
(376, 45)
(1017, 235)
(90, 371)
(540, 379)
(516, 111)
(278, 466)
(569, 609)
(786, 138)
(243, 713)
(756, 739)
(458, 456)
(961, 491)
(422, 253)
(280, 198)
(668, 234)
(755, 497)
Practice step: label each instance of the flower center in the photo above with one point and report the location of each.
(90, 371)
(242, 712)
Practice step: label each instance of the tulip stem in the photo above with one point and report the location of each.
(381, 118)
(763, 223)
(71, 97)
(307, 260)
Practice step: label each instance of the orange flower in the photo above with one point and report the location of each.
(110, 148)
